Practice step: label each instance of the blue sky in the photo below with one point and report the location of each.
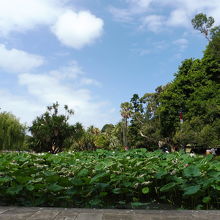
(92, 54)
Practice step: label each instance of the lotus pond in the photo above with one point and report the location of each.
(106, 179)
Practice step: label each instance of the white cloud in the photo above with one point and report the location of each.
(182, 43)
(72, 28)
(153, 23)
(74, 74)
(174, 13)
(13, 60)
(67, 85)
(178, 17)
(47, 89)
(22, 107)
(134, 7)
(123, 15)
(70, 72)
(138, 6)
(23, 15)
(87, 81)
(141, 3)
(78, 29)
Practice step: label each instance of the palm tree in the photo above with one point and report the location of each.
(126, 111)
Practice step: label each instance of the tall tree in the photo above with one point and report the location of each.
(126, 111)
(203, 24)
(12, 132)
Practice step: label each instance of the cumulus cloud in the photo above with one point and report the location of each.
(23, 15)
(85, 81)
(119, 14)
(26, 109)
(71, 72)
(46, 89)
(153, 23)
(13, 60)
(67, 85)
(74, 29)
(178, 17)
(174, 13)
(78, 29)
(74, 73)
(144, 4)
(134, 7)
(182, 43)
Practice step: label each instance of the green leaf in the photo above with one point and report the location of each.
(38, 180)
(5, 179)
(138, 204)
(101, 185)
(167, 187)
(191, 171)
(145, 190)
(14, 190)
(23, 179)
(217, 187)
(206, 199)
(160, 174)
(95, 202)
(83, 172)
(102, 194)
(122, 202)
(217, 166)
(55, 188)
(30, 187)
(116, 191)
(199, 207)
(191, 190)
(97, 178)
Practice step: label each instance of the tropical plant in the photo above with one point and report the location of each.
(110, 179)
(50, 130)
(126, 111)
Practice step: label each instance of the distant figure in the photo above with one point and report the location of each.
(213, 151)
(161, 144)
(126, 148)
(166, 149)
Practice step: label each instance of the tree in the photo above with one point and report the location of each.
(51, 130)
(12, 132)
(144, 129)
(107, 128)
(204, 24)
(194, 92)
(126, 111)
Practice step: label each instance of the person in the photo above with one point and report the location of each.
(213, 151)
(126, 148)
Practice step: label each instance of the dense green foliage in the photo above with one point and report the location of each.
(12, 132)
(109, 179)
(194, 93)
(50, 130)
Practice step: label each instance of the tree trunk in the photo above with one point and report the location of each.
(125, 139)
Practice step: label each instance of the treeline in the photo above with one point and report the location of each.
(185, 111)
(52, 132)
